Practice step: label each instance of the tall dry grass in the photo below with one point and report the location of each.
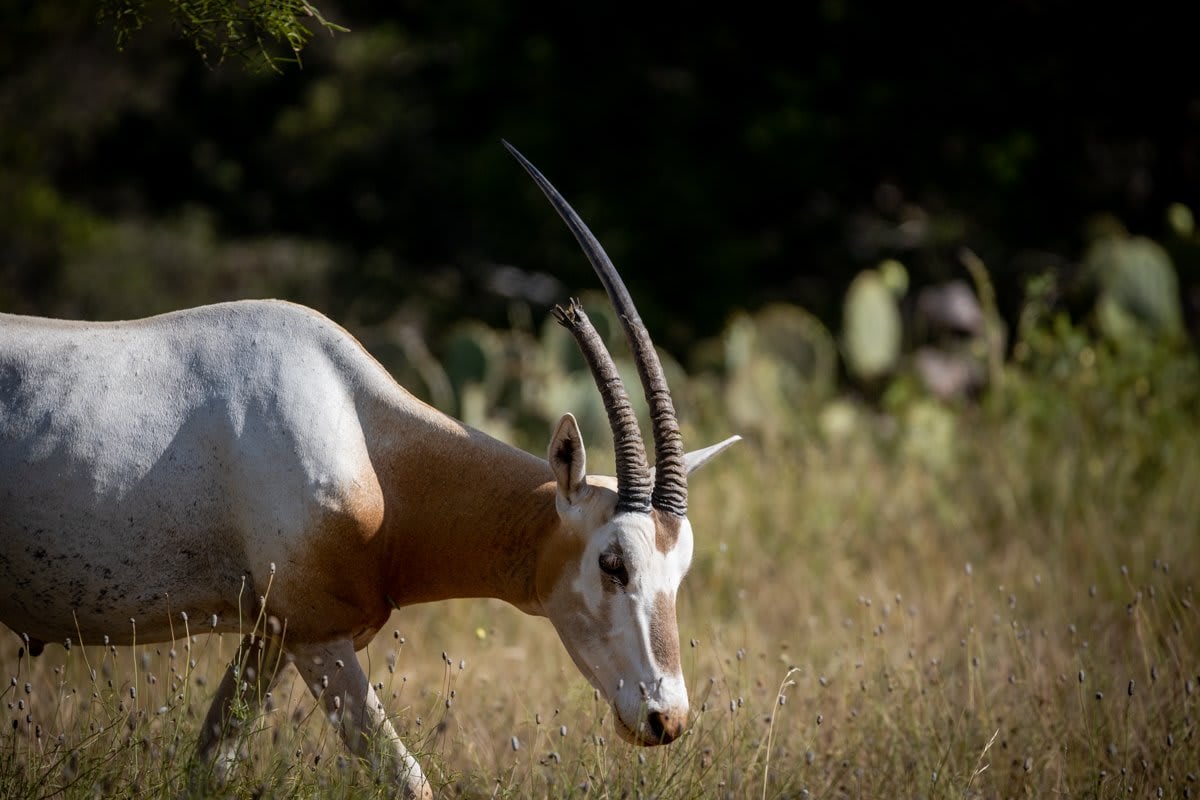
(993, 599)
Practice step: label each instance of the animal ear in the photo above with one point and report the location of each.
(698, 458)
(567, 458)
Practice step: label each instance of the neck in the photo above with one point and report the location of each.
(466, 514)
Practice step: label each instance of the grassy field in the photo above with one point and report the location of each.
(903, 598)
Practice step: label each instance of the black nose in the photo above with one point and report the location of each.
(664, 727)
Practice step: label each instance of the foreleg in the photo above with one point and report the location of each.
(333, 675)
(238, 701)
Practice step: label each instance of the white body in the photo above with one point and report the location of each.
(147, 466)
(167, 465)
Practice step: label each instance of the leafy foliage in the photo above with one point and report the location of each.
(763, 162)
(253, 31)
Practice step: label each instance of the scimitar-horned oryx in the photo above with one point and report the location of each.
(174, 465)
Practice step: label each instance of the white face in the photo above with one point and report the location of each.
(610, 593)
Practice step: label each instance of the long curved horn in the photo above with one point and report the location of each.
(633, 474)
(670, 478)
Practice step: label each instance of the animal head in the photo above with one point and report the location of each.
(609, 577)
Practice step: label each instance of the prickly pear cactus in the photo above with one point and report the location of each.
(776, 361)
(1137, 289)
(871, 327)
(473, 359)
(930, 435)
(894, 276)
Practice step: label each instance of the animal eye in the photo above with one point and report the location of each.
(613, 565)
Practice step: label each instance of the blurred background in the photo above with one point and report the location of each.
(939, 266)
(824, 166)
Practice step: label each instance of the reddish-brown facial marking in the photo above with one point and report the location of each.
(664, 634)
(666, 531)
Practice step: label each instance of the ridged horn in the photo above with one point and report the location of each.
(633, 473)
(670, 478)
